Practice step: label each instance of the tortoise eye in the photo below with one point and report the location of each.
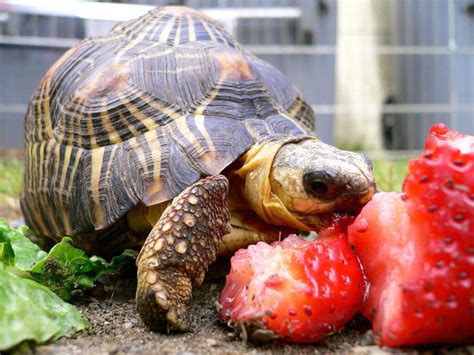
(319, 187)
(320, 184)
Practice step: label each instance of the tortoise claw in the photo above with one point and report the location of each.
(162, 310)
(162, 301)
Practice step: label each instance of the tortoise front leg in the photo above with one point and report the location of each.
(177, 252)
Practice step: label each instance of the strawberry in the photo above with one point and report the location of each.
(294, 289)
(417, 248)
(440, 135)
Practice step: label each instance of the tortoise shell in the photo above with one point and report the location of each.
(138, 115)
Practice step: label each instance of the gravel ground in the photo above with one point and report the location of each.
(116, 328)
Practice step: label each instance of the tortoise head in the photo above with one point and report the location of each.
(313, 180)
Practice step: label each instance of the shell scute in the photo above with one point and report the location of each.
(140, 114)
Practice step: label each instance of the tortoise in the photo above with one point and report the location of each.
(166, 134)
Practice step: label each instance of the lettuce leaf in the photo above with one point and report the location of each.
(16, 249)
(29, 309)
(66, 268)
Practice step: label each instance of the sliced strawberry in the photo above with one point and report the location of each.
(417, 249)
(295, 290)
(440, 135)
(381, 236)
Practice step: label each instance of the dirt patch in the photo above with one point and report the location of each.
(116, 328)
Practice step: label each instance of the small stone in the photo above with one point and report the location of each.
(127, 325)
(211, 342)
(372, 349)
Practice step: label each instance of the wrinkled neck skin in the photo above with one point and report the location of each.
(271, 180)
(252, 180)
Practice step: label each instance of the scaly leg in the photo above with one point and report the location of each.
(178, 251)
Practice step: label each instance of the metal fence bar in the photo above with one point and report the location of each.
(392, 154)
(452, 62)
(384, 49)
(82, 9)
(122, 12)
(30, 41)
(66, 43)
(393, 108)
(327, 109)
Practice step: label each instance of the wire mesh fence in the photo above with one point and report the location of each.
(377, 73)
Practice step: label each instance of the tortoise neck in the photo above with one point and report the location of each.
(251, 187)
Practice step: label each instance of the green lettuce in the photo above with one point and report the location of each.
(66, 268)
(16, 250)
(29, 309)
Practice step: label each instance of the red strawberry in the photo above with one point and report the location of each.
(440, 135)
(294, 289)
(417, 249)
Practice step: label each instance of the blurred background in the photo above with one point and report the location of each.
(378, 73)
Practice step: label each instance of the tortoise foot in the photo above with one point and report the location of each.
(178, 251)
(163, 304)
